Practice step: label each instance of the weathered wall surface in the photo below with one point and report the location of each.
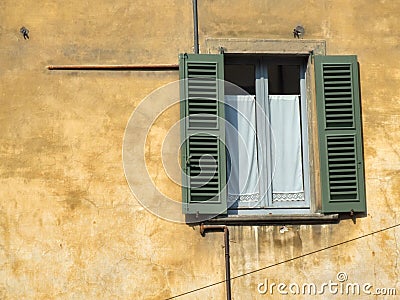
(69, 225)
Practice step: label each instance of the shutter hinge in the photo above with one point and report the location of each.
(353, 216)
(188, 160)
(221, 50)
(312, 54)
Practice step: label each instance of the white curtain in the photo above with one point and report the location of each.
(243, 177)
(287, 170)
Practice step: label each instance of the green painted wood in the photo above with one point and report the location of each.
(340, 134)
(202, 134)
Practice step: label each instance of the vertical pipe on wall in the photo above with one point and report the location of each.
(225, 229)
(227, 264)
(196, 28)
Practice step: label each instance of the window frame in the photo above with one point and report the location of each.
(305, 48)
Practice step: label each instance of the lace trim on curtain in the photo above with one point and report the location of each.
(244, 198)
(276, 197)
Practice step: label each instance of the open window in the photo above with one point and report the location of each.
(266, 134)
(245, 139)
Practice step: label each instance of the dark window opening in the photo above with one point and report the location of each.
(284, 79)
(240, 79)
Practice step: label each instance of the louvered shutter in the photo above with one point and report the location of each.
(340, 134)
(202, 134)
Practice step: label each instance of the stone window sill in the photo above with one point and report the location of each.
(304, 219)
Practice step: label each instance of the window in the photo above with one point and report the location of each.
(276, 170)
(267, 160)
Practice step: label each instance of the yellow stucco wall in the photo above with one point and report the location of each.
(70, 227)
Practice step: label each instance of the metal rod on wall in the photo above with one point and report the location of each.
(196, 28)
(113, 67)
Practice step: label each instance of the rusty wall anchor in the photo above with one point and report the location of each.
(25, 32)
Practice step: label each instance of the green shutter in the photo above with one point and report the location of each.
(340, 134)
(202, 134)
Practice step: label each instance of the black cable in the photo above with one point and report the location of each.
(288, 260)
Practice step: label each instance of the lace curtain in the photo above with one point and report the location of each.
(244, 167)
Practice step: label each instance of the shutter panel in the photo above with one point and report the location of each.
(340, 134)
(202, 134)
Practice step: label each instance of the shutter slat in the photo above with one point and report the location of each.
(200, 93)
(334, 182)
(341, 176)
(202, 110)
(341, 165)
(204, 81)
(340, 159)
(347, 102)
(338, 82)
(201, 76)
(200, 88)
(338, 87)
(209, 148)
(342, 110)
(206, 177)
(205, 196)
(334, 93)
(337, 76)
(337, 147)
